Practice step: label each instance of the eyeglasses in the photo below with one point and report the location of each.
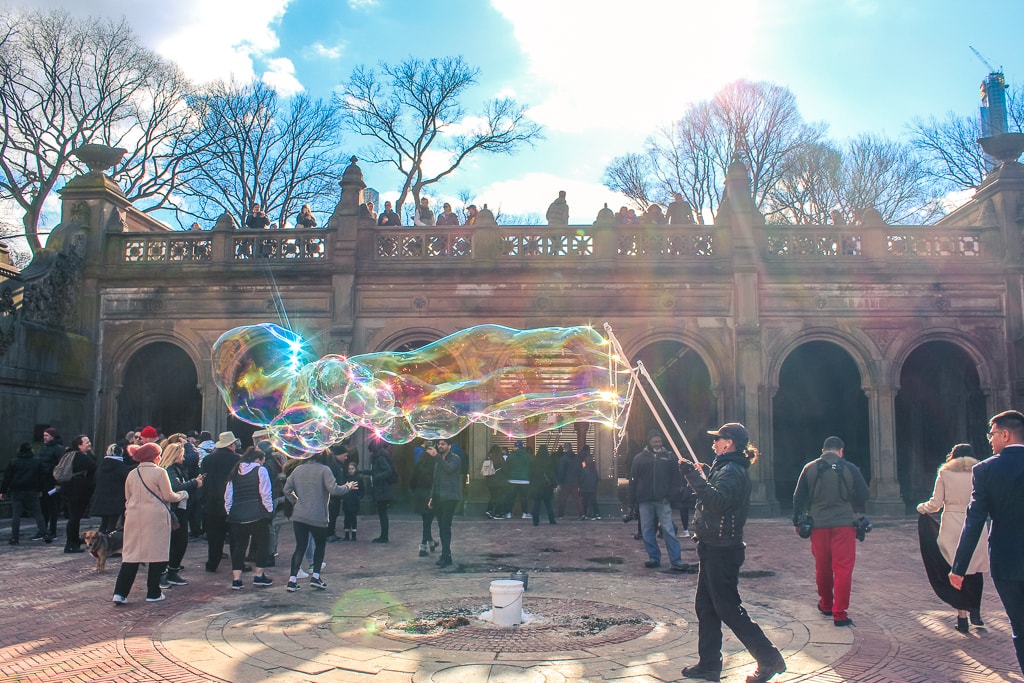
(991, 435)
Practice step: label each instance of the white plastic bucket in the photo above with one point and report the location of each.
(506, 602)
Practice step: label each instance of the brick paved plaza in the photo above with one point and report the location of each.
(595, 614)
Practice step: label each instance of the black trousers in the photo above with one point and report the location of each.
(333, 511)
(50, 506)
(445, 511)
(427, 520)
(382, 515)
(76, 510)
(126, 577)
(242, 533)
(216, 529)
(179, 538)
(302, 534)
(718, 602)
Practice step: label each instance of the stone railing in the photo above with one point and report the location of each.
(219, 246)
(532, 243)
(882, 241)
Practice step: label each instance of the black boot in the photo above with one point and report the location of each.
(962, 625)
(767, 669)
(353, 534)
(348, 536)
(976, 617)
(705, 672)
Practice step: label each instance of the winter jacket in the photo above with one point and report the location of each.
(381, 473)
(832, 489)
(108, 498)
(24, 474)
(248, 495)
(654, 477)
(422, 482)
(217, 467)
(951, 495)
(543, 476)
(147, 520)
(447, 478)
(83, 479)
(310, 486)
(723, 500)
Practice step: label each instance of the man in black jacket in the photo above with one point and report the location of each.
(653, 480)
(22, 483)
(723, 501)
(49, 456)
(217, 467)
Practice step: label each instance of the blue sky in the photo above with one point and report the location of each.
(600, 76)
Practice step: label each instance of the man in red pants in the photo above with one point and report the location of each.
(832, 491)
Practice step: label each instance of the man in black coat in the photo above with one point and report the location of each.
(22, 483)
(217, 467)
(49, 456)
(999, 494)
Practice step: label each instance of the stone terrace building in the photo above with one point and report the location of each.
(900, 339)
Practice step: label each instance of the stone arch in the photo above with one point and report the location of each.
(158, 382)
(941, 401)
(689, 380)
(819, 380)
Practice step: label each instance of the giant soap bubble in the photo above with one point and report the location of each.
(519, 382)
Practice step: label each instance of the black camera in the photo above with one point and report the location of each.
(804, 524)
(863, 527)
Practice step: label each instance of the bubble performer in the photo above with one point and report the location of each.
(519, 382)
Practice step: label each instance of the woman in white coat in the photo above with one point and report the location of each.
(952, 493)
(147, 523)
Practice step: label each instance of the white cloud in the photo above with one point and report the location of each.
(327, 51)
(602, 66)
(280, 76)
(208, 40)
(363, 4)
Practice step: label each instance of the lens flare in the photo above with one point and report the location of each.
(519, 382)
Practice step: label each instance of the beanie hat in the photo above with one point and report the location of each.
(52, 432)
(148, 433)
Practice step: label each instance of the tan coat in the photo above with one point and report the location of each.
(952, 493)
(147, 521)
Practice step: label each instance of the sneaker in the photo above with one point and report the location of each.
(434, 544)
(596, 517)
(303, 574)
(423, 550)
(236, 584)
(292, 587)
(317, 583)
(684, 534)
(508, 515)
(444, 562)
(120, 599)
(651, 564)
(157, 599)
(37, 537)
(527, 515)
(262, 580)
(704, 672)
(164, 583)
(333, 538)
(174, 579)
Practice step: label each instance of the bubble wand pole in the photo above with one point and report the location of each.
(638, 374)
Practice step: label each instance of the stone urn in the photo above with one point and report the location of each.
(1005, 147)
(99, 158)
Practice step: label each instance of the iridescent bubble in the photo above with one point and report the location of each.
(519, 382)
(253, 367)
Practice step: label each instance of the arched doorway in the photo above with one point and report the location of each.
(819, 396)
(684, 380)
(160, 388)
(940, 403)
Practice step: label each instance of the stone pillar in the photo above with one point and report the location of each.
(885, 488)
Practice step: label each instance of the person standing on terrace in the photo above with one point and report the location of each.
(679, 212)
(423, 215)
(388, 217)
(257, 220)
(447, 217)
(305, 218)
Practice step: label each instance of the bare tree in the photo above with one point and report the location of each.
(251, 148)
(632, 175)
(950, 145)
(409, 107)
(756, 123)
(870, 172)
(67, 82)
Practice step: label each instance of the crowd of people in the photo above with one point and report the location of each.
(677, 212)
(161, 492)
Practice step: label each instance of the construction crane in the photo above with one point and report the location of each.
(984, 61)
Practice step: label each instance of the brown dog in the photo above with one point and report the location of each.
(101, 546)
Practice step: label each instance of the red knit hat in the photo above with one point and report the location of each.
(148, 433)
(147, 452)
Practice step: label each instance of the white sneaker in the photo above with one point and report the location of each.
(120, 599)
(508, 515)
(303, 574)
(527, 515)
(685, 534)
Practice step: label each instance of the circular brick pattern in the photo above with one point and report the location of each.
(552, 624)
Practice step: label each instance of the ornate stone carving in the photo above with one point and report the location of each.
(52, 299)
(118, 221)
(370, 334)
(882, 337)
(421, 303)
(8, 319)
(81, 213)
